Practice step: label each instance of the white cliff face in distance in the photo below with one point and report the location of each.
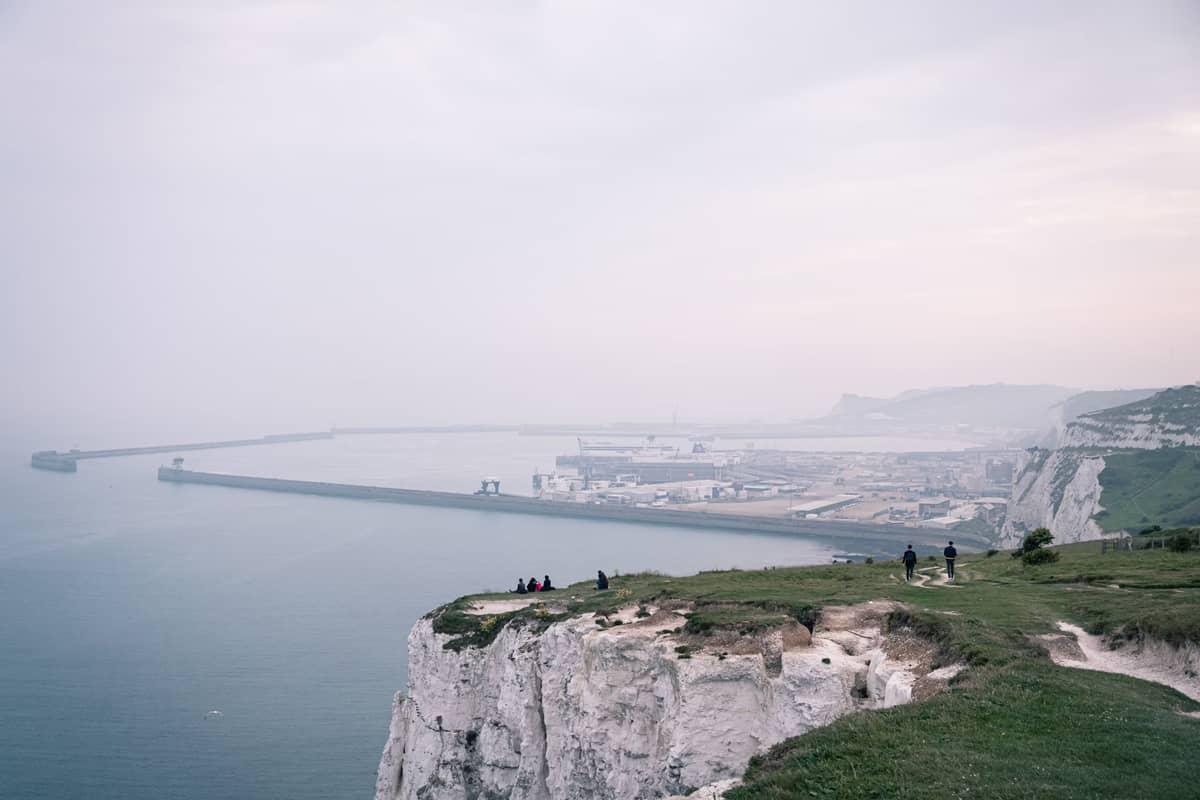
(576, 711)
(1167, 419)
(1060, 489)
(1133, 434)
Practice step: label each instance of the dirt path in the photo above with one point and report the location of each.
(1156, 663)
(943, 580)
(922, 580)
(919, 580)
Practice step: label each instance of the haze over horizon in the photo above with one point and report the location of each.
(252, 215)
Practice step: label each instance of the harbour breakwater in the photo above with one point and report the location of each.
(885, 536)
(65, 462)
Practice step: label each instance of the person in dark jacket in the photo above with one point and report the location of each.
(910, 562)
(547, 586)
(533, 585)
(521, 586)
(950, 553)
(601, 580)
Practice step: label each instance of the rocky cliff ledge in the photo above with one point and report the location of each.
(630, 706)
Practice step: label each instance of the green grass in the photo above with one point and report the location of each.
(1150, 487)
(1013, 726)
(1027, 730)
(1178, 407)
(1000, 592)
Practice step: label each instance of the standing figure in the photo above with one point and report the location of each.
(601, 580)
(950, 553)
(910, 562)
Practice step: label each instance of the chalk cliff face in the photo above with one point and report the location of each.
(1166, 419)
(574, 711)
(1059, 490)
(1089, 402)
(1133, 434)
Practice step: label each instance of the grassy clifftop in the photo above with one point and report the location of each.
(1013, 726)
(1150, 487)
(1017, 726)
(1176, 407)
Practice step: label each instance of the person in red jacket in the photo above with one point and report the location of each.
(533, 585)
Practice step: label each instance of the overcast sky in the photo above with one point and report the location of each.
(297, 214)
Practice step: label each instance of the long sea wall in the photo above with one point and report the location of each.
(527, 505)
(65, 462)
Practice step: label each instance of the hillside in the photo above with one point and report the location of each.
(1001, 406)
(1085, 403)
(657, 657)
(1119, 468)
(1016, 725)
(1090, 402)
(1170, 417)
(1150, 487)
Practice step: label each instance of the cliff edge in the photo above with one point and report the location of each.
(628, 704)
(1115, 468)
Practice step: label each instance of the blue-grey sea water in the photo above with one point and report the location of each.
(130, 608)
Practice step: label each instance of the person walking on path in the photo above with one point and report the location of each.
(910, 562)
(950, 553)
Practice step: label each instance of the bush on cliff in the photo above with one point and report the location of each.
(1032, 549)
(1040, 557)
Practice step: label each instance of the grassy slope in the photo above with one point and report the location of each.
(1143, 487)
(1013, 726)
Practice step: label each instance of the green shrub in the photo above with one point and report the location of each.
(1040, 556)
(1037, 539)
(1031, 550)
(1181, 542)
(869, 560)
(992, 552)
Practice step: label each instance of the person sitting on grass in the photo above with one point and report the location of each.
(533, 585)
(910, 562)
(547, 586)
(521, 587)
(950, 553)
(601, 580)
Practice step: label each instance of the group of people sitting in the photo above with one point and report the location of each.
(534, 586)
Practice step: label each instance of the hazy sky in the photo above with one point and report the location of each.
(296, 214)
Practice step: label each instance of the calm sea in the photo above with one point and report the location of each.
(130, 608)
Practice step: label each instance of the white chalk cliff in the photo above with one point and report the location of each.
(1059, 490)
(579, 711)
(1169, 418)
